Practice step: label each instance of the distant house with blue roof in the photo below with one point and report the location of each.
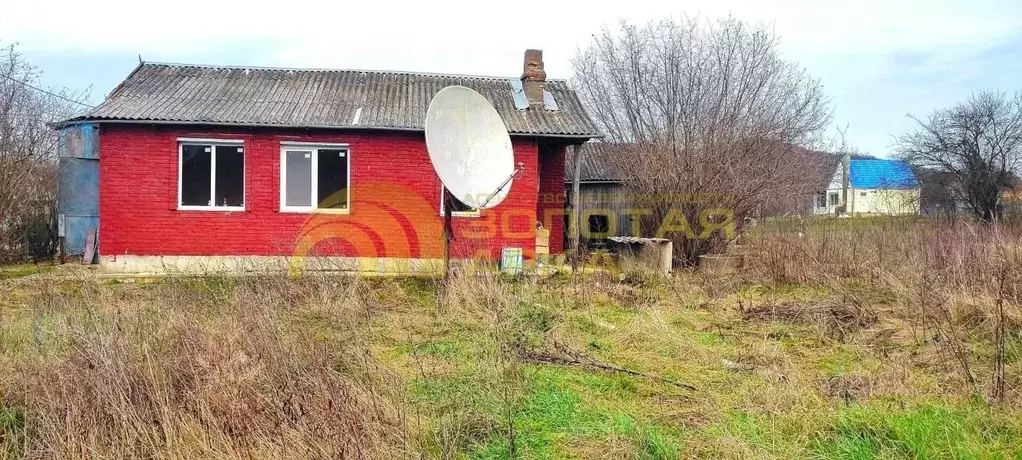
(875, 186)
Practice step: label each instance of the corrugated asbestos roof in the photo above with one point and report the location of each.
(881, 174)
(600, 164)
(597, 163)
(175, 93)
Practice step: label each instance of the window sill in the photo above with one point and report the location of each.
(340, 212)
(464, 214)
(212, 208)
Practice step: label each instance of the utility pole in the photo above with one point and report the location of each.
(576, 167)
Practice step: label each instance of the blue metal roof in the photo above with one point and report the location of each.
(882, 174)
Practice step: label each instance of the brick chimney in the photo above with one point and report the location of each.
(534, 77)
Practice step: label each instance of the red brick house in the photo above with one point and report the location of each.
(233, 168)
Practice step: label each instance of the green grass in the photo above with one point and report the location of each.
(22, 270)
(445, 348)
(12, 431)
(839, 362)
(1013, 348)
(565, 408)
(927, 430)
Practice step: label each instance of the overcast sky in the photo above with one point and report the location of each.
(877, 59)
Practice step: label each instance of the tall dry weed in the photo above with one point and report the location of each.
(190, 368)
(955, 282)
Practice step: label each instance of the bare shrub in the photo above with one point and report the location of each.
(28, 156)
(713, 116)
(978, 143)
(955, 282)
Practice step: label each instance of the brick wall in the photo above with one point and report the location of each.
(550, 205)
(395, 199)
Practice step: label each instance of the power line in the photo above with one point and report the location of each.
(47, 92)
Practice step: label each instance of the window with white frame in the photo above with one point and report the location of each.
(314, 177)
(833, 199)
(211, 175)
(460, 209)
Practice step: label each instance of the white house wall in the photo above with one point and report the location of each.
(883, 201)
(836, 181)
(834, 186)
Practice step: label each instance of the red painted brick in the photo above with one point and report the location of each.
(550, 204)
(395, 199)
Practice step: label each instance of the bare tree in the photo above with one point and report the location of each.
(28, 153)
(978, 142)
(714, 116)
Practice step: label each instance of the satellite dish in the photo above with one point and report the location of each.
(469, 147)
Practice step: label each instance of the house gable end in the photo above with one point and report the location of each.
(835, 179)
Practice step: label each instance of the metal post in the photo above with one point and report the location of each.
(576, 163)
(448, 234)
(61, 234)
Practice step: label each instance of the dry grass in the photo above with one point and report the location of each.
(952, 283)
(822, 353)
(196, 368)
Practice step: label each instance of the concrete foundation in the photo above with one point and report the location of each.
(721, 264)
(272, 264)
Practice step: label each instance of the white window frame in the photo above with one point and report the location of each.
(212, 143)
(475, 213)
(315, 147)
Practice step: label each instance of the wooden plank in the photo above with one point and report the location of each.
(90, 248)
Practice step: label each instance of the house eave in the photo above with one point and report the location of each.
(598, 182)
(580, 136)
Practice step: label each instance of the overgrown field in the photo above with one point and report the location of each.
(805, 354)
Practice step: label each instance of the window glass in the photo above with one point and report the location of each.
(458, 207)
(332, 179)
(598, 225)
(196, 165)
(315, 178)
(298, 170)
(230, 176)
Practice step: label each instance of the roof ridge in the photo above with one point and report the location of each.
(313, 69)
